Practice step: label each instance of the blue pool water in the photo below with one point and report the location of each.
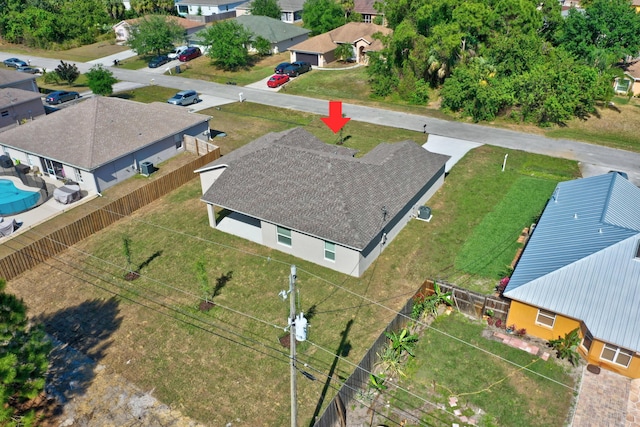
(14, 200)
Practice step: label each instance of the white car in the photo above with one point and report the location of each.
(176, 52)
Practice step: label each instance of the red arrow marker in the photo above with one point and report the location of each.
(335, 121)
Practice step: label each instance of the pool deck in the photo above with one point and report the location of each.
(45, 211)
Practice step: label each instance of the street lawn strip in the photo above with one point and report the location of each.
(490, 249)
(84, 53)
(80, 85)
(509, 395)
(202, 68)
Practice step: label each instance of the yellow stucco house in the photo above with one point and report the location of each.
(581, 269)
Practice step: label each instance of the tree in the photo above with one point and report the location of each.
(608, 31)
(23, 359)
(227, 42)
(115, 8)
(143, 7)
(269, 8)
(100, 80)
(68, 72)
(262, 46)
(344, 51)
(155, 33)
(321, 16)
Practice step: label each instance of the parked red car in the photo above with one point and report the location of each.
(277, 80)
(189, 54)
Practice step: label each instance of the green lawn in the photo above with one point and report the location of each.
(510, 396)
(231, 355)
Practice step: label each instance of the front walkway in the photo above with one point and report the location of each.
(603, 400)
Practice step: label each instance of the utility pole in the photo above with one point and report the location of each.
(292, 345)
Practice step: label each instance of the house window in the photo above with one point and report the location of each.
(622, 85)
(4, 113)
(178, 140)
(330, 251)
(546, 318)
(587, 340)
(366, 19)
(617, 355)
(284, 236)
(183, 9)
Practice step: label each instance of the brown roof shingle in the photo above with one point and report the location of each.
(348, 33)
(294, 180)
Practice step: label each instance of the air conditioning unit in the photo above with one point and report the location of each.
(147, 168)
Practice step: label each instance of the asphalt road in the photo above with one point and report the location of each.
(592, 157)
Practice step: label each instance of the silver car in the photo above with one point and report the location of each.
(185, 97)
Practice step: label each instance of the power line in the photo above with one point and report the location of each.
(371, 302)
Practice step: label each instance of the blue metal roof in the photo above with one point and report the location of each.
(580, 260)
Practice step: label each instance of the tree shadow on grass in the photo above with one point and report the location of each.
(342, 351)
(146, 262)
(81, 336)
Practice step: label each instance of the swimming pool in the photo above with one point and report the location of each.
(13, 200)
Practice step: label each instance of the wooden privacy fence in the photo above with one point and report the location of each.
(469, 302)
(473, 303)
(102, 216)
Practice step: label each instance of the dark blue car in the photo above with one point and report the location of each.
(158, 61)
(60, 96)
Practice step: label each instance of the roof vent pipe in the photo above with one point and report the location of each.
(600, 230)
(575, 216)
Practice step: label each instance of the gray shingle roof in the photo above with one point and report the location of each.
(99, 130)
(294, 180)
(271, 29)
(8, 77)
(580, 260)
(9, 96)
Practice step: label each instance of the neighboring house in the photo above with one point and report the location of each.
(291, 10)
(13, 79)
(581, 269)
(281, 35)
(18, 106)
(123, 28)
(102, 141)
(294, 193)
(630, 83)
(319, 50)
(369, 13)
(208, 10)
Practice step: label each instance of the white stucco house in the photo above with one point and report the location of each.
(294, 193)
(102, 141)
(207, 10)
(123, 28)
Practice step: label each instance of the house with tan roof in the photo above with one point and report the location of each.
(123, 28)
(367, 9)
(294, 193)
(630, 82)
(103, 141)
(320, 50)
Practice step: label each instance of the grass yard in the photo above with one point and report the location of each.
(78, 54)
(508, 395)
(227, 365)
(202, 68)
